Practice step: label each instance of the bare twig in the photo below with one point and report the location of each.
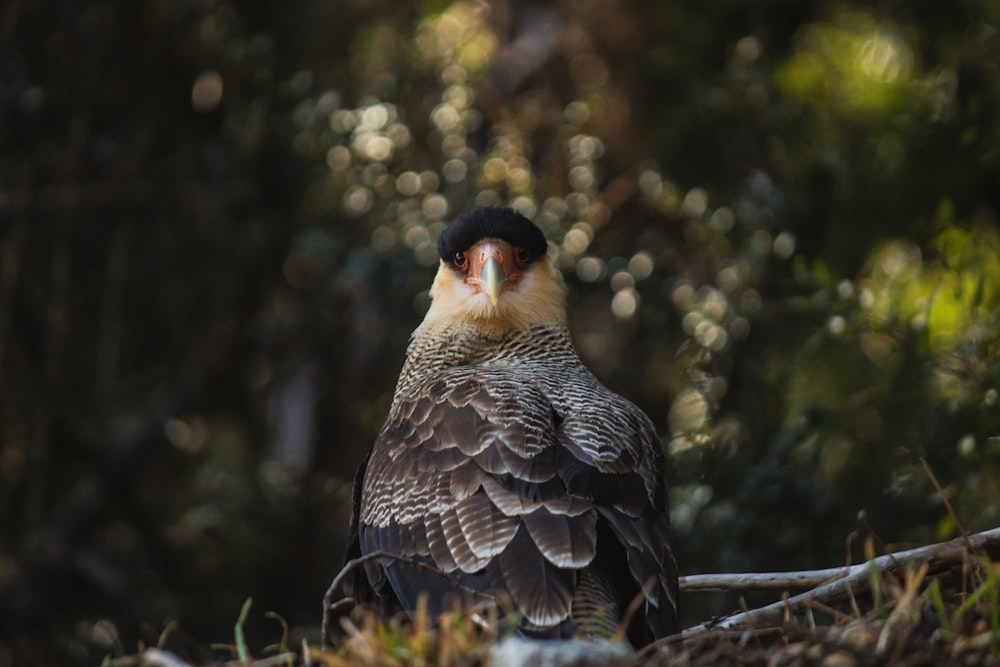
(328, 599)
(857, 578)
(761, 581)
(827, 609)
(633, 607)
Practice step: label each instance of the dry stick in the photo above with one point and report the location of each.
(633, 607)
(857, 578)
(328, 604)
(779, 581)
(761, 581)
(827, 609)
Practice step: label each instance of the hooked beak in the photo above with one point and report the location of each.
(493, 278)
(492, 268)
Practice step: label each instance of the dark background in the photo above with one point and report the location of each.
(217, 225)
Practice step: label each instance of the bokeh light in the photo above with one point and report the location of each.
(206, 93)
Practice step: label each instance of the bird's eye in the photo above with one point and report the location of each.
(460, 260)
(522, 254)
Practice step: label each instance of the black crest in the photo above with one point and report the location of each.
(492, 223)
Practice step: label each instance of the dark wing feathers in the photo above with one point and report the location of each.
(650, 562)
(625, 491)
(508, 500)
(478, 475)
(458, 543)
(466, 480)
(565, 541)
(542, 591)
(437, 544)
(485, 528)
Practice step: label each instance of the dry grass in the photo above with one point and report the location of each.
(913, 619)
(454, 639)
(951, 619)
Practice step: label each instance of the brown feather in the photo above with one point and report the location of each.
(541, 591)
(565, 541)
(487, 531)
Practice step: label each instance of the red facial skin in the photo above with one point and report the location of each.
(476, 256)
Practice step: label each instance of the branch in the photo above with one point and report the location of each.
(761, 581)
(854, 579)
(329, 605)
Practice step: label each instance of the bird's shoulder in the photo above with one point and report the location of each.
(534, 403)
(515, 421)
(453, 407)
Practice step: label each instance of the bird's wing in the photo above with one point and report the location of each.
(476, 475)
(613, 457)
(463, 478)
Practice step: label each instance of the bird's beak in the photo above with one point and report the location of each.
(493, 278)
(492, 269)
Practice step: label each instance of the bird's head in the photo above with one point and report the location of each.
(495, 274)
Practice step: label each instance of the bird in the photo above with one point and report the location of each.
(505, 471)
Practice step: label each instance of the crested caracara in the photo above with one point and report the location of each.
(504, 465)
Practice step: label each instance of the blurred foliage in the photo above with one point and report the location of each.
(217, 229)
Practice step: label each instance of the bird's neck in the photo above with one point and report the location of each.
(434, 349)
